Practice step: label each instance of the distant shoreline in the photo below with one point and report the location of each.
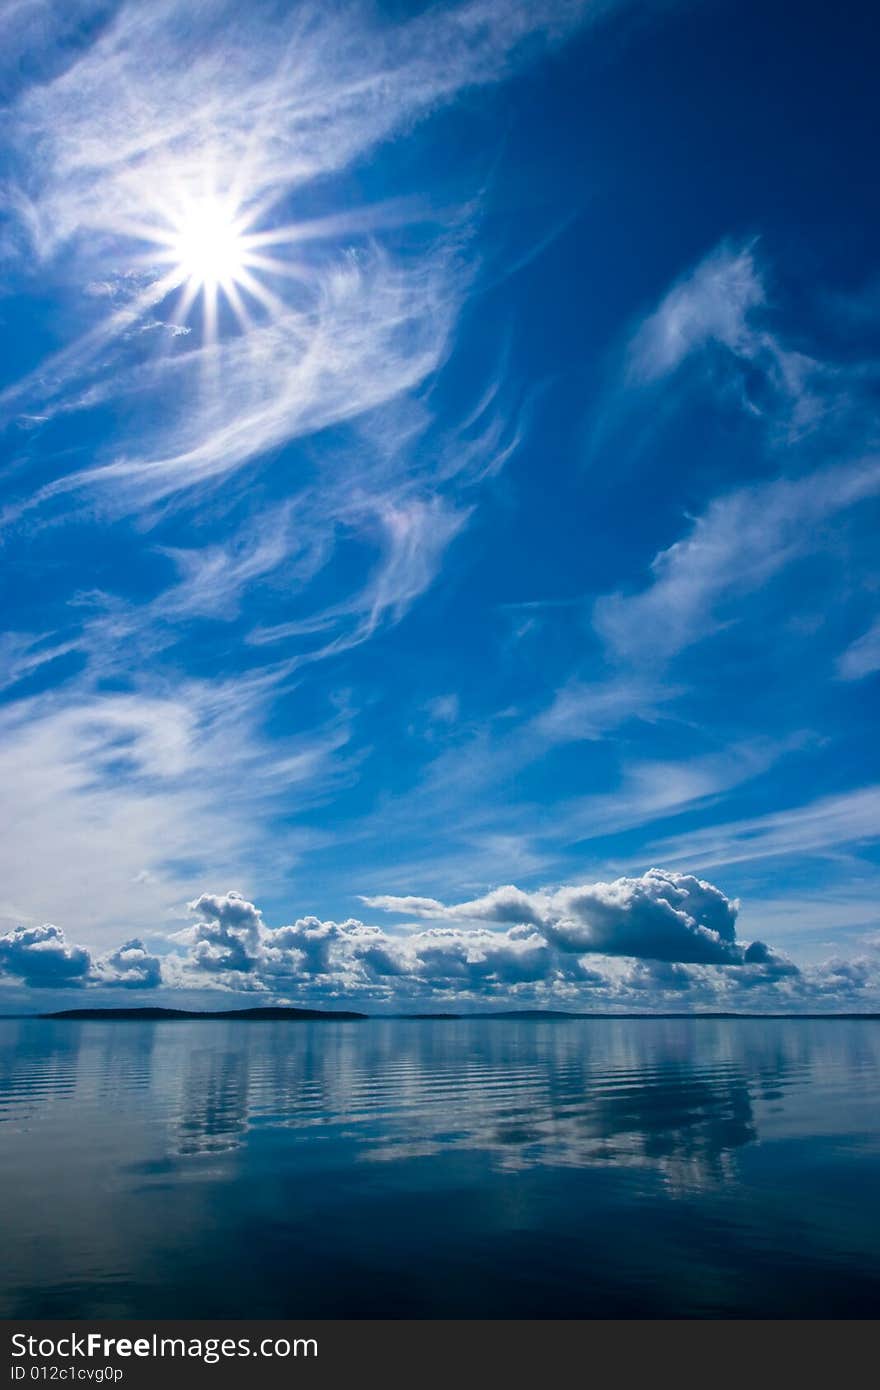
(280, 1014)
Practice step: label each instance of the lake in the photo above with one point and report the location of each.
(482, 1168)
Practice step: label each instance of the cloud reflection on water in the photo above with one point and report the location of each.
(681, 1099)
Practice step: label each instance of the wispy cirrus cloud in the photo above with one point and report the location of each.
(733, 549)
(321, 376)
(862, 657)
(713, 578)
(713, 304)
(283, 98)
(259, 484)
(415, 534)
(345, 322)
(718, 320)
(360, 314)
(747, 535)
(816, 827)
(372, 331)
(135, 791)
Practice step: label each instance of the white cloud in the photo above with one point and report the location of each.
(372, 330)
(171, 778)
(664, 940)
(138, 118)
(357, 321)
(130, 966)
(123, 801)
(661, 916)
(862, 657)
(738, 544)
(505, 939)
(661, 941)
(651, 789)
(583, 710)
(443, 709)
(280, 98)
(721, 308)
(712, 304)
(414, 535)
(213, 577)
(233, 950)
(819, 826)
(42, 958)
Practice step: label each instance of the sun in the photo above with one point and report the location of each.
(209, 247)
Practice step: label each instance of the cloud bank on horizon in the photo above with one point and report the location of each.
(664, 939)
(402, 499)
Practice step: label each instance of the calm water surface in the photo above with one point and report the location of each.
(419, 1169)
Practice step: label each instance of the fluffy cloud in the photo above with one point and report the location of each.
(230, 911)
(230, 940)
(227, 935)
(601, 942)
(661, 941)
(130, 966)
(663, 915)
(42, 958)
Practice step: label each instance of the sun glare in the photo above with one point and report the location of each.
(212, 252)
(215, 259)
(208, 248)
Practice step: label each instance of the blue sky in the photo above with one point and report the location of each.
(439, 504)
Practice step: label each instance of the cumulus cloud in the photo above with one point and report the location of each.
(661, 941)
(227, 934)
(42, 958)
(230, 911)
(352, 957)
(662, 915)
(495, 945)
(664, 941)
(130, 966)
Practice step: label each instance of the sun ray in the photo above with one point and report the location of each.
(209, 311)
(208, 247)
(290, 270)
(185, 302)
(238, 306)
(264, 296)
